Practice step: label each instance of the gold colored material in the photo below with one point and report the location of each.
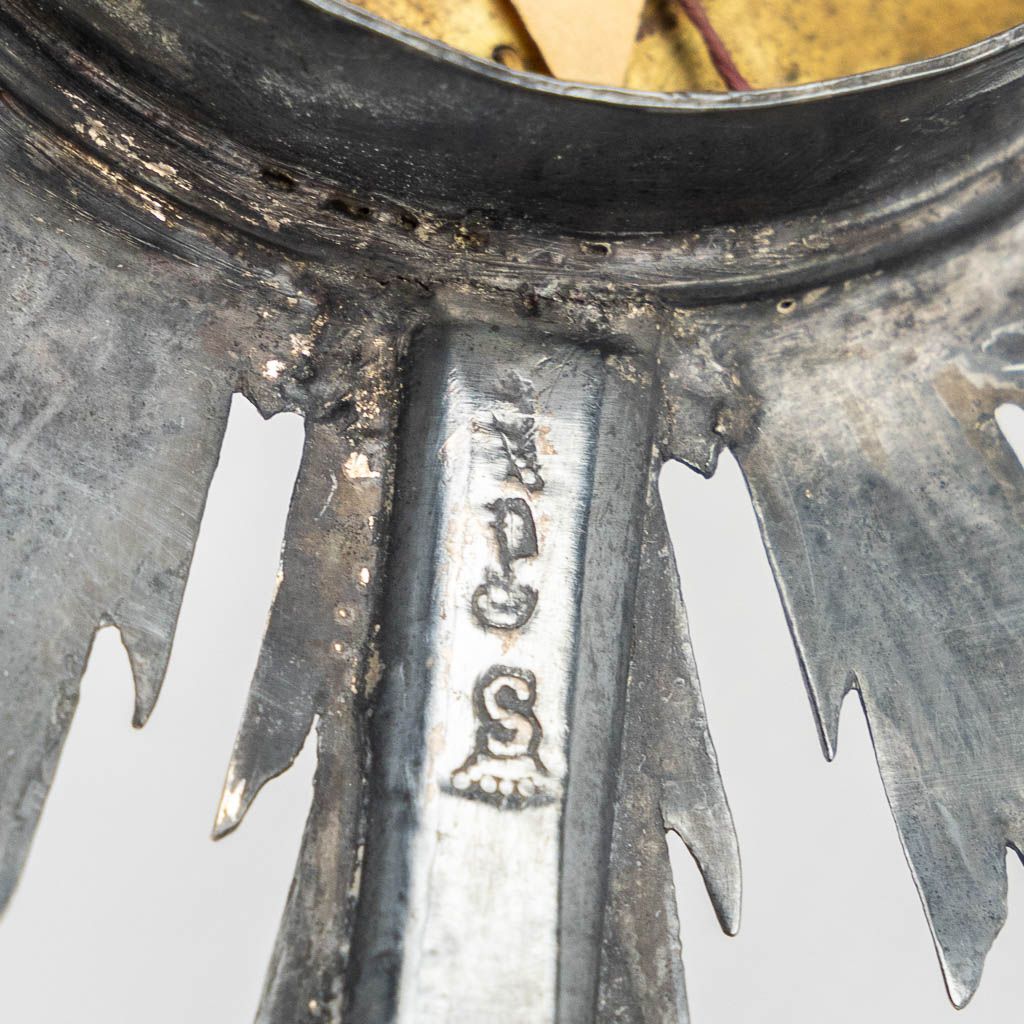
(600, 47)
(786, 42)
(774, 42)
(491, 29)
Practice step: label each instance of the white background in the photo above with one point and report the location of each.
(128, 913)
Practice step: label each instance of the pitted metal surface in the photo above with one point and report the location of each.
(500, 305)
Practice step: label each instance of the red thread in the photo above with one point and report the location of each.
(717, 50)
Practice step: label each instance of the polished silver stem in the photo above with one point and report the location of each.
(520, 497)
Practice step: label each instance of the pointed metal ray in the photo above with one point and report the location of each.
(323, 623)
(172, 174)
(679, 752)
(306, 976)
(320, 660)
(642, 978)
(669, 778)
(323, 613)
(892, 512)
(108, 440)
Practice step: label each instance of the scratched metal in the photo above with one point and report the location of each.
(500, 303)
(503, 654)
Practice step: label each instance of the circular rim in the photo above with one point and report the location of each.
(781, 96)
(740, 218)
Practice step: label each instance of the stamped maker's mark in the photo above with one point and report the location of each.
(516, 426)
(504, 766)
(501, 602)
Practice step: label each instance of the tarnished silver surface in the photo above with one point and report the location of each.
(500, 305)
(523, 467)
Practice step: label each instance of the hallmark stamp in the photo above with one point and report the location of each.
(501, 602)
(505, 765)
(516, 427)
(519, 439)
